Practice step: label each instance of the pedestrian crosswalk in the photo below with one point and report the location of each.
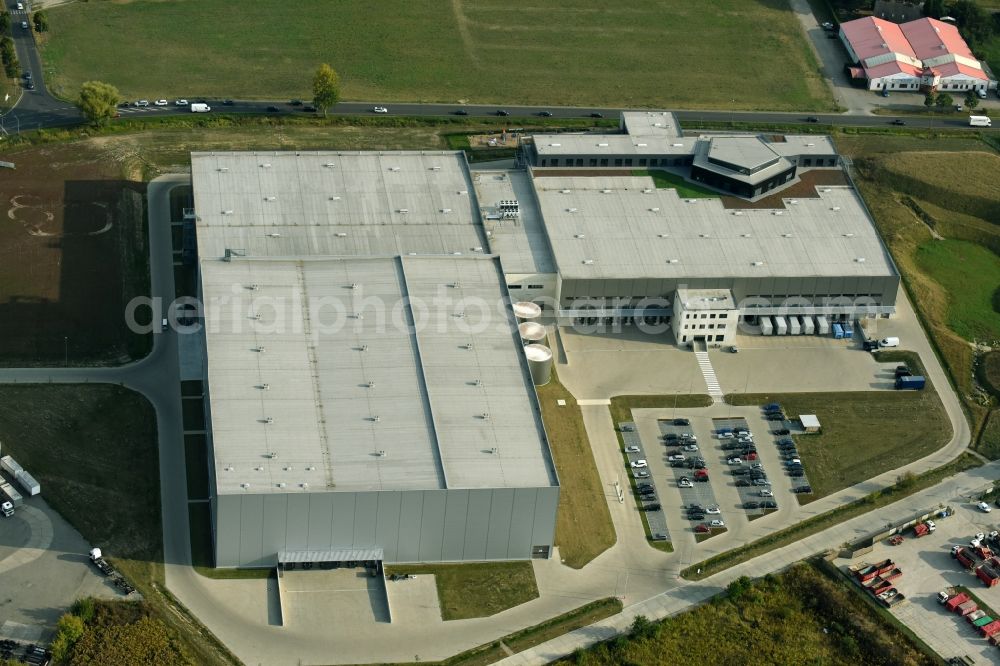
(708, 372)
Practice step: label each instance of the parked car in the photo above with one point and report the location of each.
(718, 522)
(744, 482)
(640, 474)
(781, 431)
(684, 482)
(690, 447)
(678, 463)
(793, 462)
(658, 536)
(796, 473)
(766, 492)
(984, 507)
(676, 457)
(142, 103)
(756, 465)
(671, 437)
(726, 435)
(714, 510)
(775, 416)
(802, 489)
(702, 528)
(632, 449)
(160, 102)
(648, 490)
(643, 486)
(751, 505)
(682, 422)
(772, 407)
(639, 463)
(761, 482)
(651, 507)
(696, 515)
(769, 504)
(694, 506)
(741, 471)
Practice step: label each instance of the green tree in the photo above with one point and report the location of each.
(934, 8)
(11, 67)
(326, 88)
(147, 641)
(944, 100)
(971, 100)
(975, 22)
(98, 101)
(41, 22)
(929, 99)
(4, 22)
(68, 631)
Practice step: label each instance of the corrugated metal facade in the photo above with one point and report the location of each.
(410, 526)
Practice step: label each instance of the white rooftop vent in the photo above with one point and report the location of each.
(555, 145)
(746, 235)
(703, 236)
(677, 145)
(463, 191)
(663, 235)
(849, 235)
(602, 145)
(580, 236)
(446, 210)
(571, 210)
(403, 210)
(393, 168)
(244, 486)
(777, 212)
(588, 262)
(691, 200)
(227, 212)
(334, 198)
(341, 234)
(647, 191)
(310, 468)
(329, 165)
(229, 468)
(826, 189)
(478, 248)
(835, 208)
(265, 165)
(737, 212)
(673, 261)
(281, 484)
(223, 169)
(259, 468)
(786, 235)
(654, 210)
(435, 168)
(270, 198)
(794, 202)
(288, 468)
(304, 485)
(605, 191)
(860, 260)
(457, 254)
(274, 234)
(565, 191)
(757, 263)
(810, 144)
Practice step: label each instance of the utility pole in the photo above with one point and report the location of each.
(66, 349)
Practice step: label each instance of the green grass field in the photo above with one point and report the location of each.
(971, 274)
(477, 589)
(656, 53)
(864, 433)
(670, 181)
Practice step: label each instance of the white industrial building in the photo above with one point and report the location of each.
(369, 393)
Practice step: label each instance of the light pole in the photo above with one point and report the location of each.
(66, 349)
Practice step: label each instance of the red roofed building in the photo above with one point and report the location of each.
(920, 55)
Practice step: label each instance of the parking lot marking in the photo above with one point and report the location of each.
(708, 372)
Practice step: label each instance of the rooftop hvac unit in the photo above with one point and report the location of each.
(355, 285)
(268, 419)
(264, 387)
(654, 210)
(588, 262)
(304, 485)
(255, 316)
(253, 287)
(363, 348)
(455, 285)
(329, 165)
(272, 455)
(259, 468)
(580, 236)
(485, 416)
(310, 468)
(274, 234)
(270, 198)
(227, 212)
(341, 234)
(375, 419)
(435, 168)
(259, 350)
(478, 382)
(265, 165)
(371, 384)
(334, 198)
(223, 169)
(565, 191)
(288, 468)
(393, 168)
(691, 200)
(672, 261)
(244, 486)
(380, 453)
(469, 345)
(494, 450)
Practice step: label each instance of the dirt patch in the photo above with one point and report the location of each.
(73, 252)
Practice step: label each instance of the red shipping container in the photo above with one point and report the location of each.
(966, 608)
(956, 600)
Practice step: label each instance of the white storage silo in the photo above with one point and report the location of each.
(525, 310)
(531, 331)
(539, 363)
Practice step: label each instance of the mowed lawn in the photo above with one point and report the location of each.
(745, 54)
(971, 275)
(864, 433)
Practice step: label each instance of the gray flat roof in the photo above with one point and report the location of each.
(623, 227)
(329, 373)
(520, 242)
(286, 204)
(651, 123)
(555, 145)
(748, 152)
(706, 299)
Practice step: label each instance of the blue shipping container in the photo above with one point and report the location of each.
(838, 331)
(848, 330)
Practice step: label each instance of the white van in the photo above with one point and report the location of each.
(200, 108)
(888, 342)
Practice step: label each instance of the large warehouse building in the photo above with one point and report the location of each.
(355, 414)
(368, 393)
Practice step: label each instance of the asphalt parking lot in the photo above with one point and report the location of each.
(655, 519)
(929, 568)
(683, 439)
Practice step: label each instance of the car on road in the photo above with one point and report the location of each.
(501, 112)
(24, 25)
(180, 102)
(160, 102)
(812, 119)
(545, 114)
(676, 457)
(142, 102)
(596, 114)
(766, 492)
(228, 102)
(632, 449)
(984, 507)
(30, 85)
(639, 463)
(734, 460)
(714, 510)
(380, 109)
(273, 109)
(461, 112)
(684, 482)
(690, 447)
(309, 108)
(682, 422)
(718, 522)
(26, 76)
(826, 25)
(898, 121)
(802, 489)
(651, 507)
(296, 102)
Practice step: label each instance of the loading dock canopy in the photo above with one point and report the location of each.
(339, 555)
